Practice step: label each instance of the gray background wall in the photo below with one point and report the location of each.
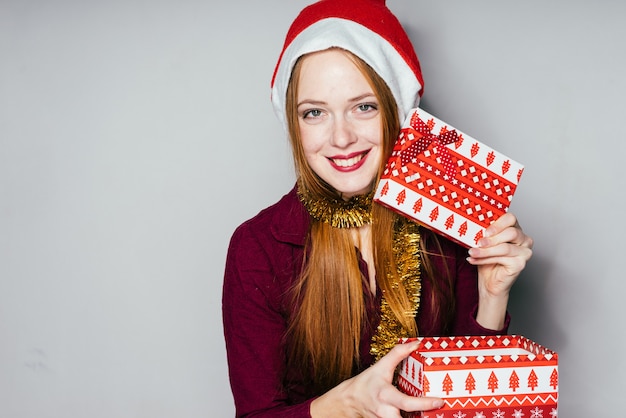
(135, 136)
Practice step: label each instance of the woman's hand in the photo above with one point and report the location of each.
(372, 394)
(500, 256)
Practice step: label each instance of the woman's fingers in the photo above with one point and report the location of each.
(418, 403)
(504, 243)
(395, 397)
(505, 230)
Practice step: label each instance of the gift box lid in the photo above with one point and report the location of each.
(447, 180)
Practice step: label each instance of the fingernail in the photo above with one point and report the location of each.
(438, 403)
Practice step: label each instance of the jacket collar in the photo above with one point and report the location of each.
(291, 221)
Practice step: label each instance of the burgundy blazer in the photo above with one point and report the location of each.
(264, 258)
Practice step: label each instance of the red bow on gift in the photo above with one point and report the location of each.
(439, 145)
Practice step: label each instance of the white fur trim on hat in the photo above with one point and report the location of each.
(372, 48)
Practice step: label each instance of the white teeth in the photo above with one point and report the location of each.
(348, 162)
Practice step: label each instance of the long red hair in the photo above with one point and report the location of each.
(325, 333)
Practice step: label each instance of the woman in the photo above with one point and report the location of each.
(319, 287)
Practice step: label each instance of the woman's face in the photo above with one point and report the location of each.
(339, 121)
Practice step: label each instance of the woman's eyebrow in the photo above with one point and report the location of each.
(321, 102)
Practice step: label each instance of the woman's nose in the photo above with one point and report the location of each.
(343, 133)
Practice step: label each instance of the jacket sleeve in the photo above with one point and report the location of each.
(254, 327)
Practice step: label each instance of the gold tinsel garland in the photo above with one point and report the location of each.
(406, 251)
(339, 213)
(357, 212)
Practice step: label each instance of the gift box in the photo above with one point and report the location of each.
(506, 376)
(447, 180)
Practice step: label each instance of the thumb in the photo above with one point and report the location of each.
(399, 353)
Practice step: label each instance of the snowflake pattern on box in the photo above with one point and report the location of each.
(446, 179)
(506, 376)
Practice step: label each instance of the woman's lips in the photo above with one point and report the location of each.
(350, 162)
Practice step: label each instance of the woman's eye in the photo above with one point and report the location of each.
(366, 107)
(313, 113)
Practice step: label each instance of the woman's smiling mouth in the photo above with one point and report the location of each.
(350, 162)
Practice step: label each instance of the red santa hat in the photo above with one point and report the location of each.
(368, 29)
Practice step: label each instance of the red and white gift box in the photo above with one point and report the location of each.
(505, 376)
(447, 180)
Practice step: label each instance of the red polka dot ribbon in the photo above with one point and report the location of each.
(427, 138)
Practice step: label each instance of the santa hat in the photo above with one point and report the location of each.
(368, 29)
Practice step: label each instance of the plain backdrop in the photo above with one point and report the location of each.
(136, 135)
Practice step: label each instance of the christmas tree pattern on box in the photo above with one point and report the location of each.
(506, 376)
(446, 179)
